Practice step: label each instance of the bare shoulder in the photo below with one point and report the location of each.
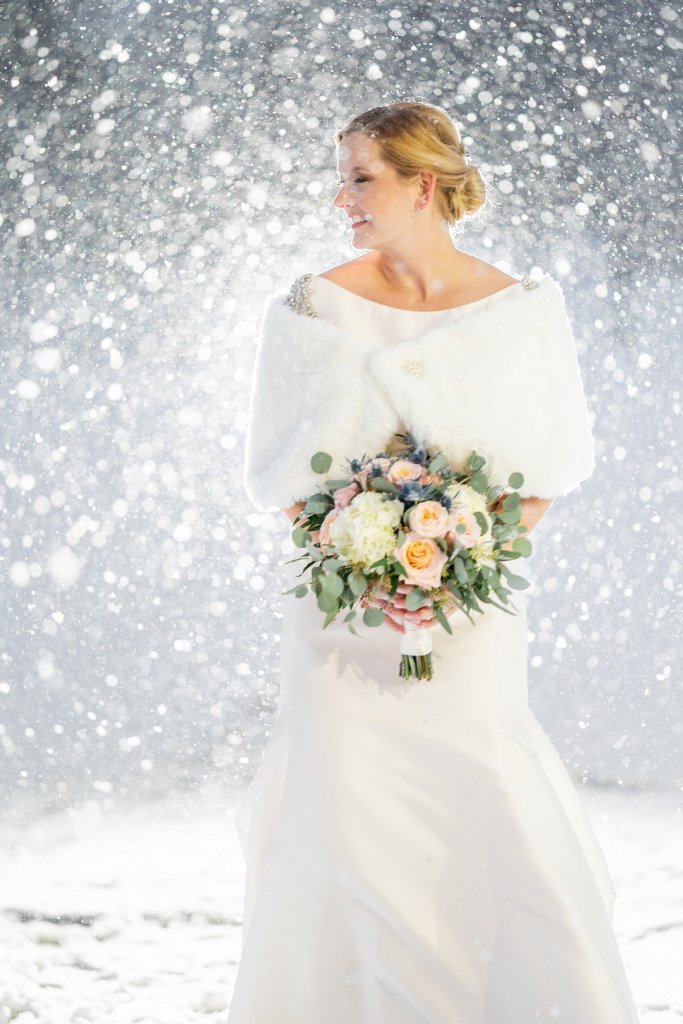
(483, 276)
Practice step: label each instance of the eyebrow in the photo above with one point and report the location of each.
(354, 169)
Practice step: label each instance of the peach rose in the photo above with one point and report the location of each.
(429, 519)
(343, 496)
(404, 471)
(468, 537)
(430, 478)
(423, 560)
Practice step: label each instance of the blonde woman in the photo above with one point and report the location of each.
(417, 852)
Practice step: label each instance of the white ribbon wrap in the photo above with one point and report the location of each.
(416, 640)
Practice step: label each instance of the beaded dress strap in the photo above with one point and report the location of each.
(299, 297)
(528, 282)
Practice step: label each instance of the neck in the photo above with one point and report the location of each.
(421, 269)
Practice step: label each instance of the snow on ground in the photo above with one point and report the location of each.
(133, 916)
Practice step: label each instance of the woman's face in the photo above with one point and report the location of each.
(372, 194)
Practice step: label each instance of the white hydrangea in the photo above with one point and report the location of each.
(481, 553)
(466, 497)
(365, 530)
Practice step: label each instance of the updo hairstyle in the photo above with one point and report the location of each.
(419, 136)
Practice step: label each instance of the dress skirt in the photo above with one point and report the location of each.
(416, 851)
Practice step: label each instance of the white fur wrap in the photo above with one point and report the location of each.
(503, 379)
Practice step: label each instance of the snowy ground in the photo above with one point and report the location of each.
(134, 916)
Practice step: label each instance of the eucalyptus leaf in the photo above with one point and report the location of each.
(317, 504)
(357, 583)
(437, 463)
(441, 616)
(509, 516)
(415, 599)
(515, 480)
(373, 616)
(321, 462)
(522, 546)
(378, 483)
(478, 482)
(513, 581)
(482, 520)
(327, 602)
(333, 584)
(460, 570)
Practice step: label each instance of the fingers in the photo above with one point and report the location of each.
(396, 613)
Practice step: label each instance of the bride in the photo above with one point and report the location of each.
(416, 851)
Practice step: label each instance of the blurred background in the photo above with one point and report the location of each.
(166, 166)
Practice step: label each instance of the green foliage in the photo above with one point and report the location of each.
(522, 546)
(378, 483)
(300, 536)
(321, 462)
(460, 570)
(332, 584)
(357, 583)
(515, 582)
(317, 504)
(479, 482)
(327, 602)
(438, 463)
(373, 616)
(441, 616)
(415, 599)
(474, 463)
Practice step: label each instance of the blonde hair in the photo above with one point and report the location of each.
(420, 136)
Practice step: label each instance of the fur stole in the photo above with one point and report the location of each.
(503, 378)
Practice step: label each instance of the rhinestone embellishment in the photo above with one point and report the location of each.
(528, 282)
(413, 366)
(299, 298)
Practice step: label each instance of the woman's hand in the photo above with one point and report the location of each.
(397, 614)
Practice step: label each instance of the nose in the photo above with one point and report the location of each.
(342, 198)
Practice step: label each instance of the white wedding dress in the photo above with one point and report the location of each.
(416, 851)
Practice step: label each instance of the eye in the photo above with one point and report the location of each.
(340, 181)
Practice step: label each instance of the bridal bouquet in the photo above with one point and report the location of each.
(411, 519)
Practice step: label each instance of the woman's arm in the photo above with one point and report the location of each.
(293, 511)
(533, 510)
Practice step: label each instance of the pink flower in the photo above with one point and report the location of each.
(324, 532)
(344, 495)
(429, 519)
(423, 560)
